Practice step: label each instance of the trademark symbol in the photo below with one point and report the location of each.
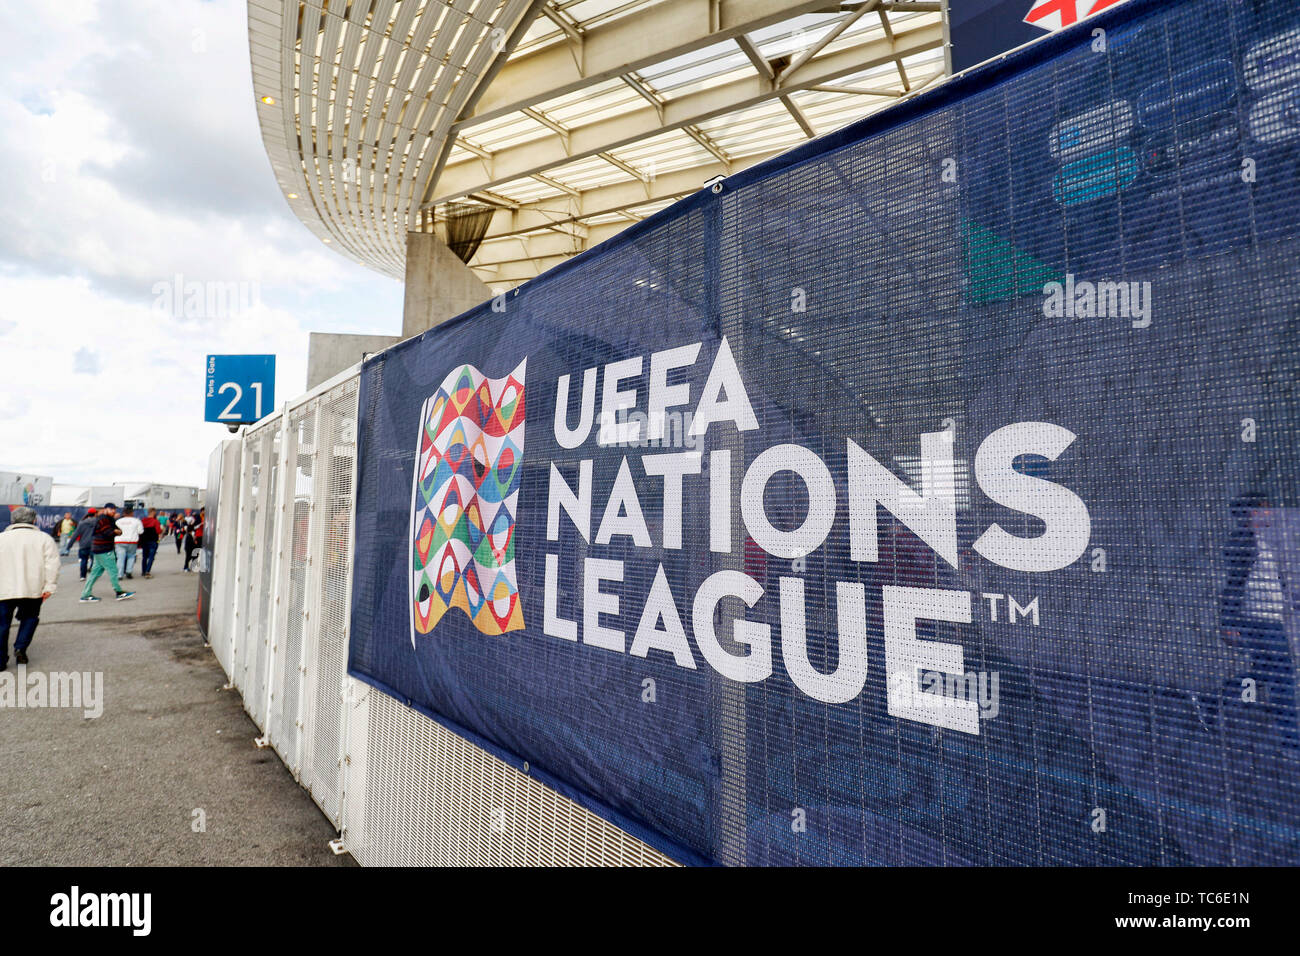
(1014, 609)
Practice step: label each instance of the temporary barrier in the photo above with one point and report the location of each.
(217, 565)
(283, 646)
(925, 495)
(400, 788)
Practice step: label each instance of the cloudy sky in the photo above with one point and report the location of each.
(132, 155)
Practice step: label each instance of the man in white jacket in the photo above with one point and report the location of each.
(29, 573)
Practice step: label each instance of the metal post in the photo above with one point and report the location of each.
(947, 38)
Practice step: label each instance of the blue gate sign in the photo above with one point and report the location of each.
(240, 388)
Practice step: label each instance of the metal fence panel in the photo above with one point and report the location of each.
(223, 532)
(260, 660)
(255, 584)
(329, 597)
(402, 789)
(290, 570)
(246, 538)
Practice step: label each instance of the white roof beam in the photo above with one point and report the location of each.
(634, 81)
(539, 117)
(755, 57)
(697, 134)
(493, 199)
(889, 32)
(848, 89)
(629, 169)
(827, 38)
(793, 109)
(616, 197)
(544, 244)
(659, 32)
(556, 184)
(655, 100)
(603, 136)
(564, 22)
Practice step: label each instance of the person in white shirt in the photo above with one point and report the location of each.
(128, 541)
(29, 573)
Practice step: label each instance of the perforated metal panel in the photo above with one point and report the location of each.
(290, 584)
(243, 627)
(330, 546)
(310, 580)
(420, 795)
(255, 567)
(262, 577)
(223, 531)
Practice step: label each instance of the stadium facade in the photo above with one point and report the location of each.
(465, 147)
(975, 541)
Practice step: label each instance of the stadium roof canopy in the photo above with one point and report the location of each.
(568, 119)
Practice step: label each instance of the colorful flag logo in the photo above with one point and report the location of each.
(463, 498)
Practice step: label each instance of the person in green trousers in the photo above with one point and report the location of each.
(103, 556)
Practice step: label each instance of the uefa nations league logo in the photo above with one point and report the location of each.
(463, 498)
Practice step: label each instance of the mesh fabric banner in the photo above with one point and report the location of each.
(927, 495)
(48, 517)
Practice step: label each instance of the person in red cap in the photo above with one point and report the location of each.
(103, 546)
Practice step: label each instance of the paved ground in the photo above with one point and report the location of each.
(123, 788)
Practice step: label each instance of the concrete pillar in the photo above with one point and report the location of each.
(330, 353)
(438, 285)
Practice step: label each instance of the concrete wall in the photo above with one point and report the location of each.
(438, 285)
(329, 353)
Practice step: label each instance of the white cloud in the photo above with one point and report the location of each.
(133, 156)
(86, 362)
(119, 394)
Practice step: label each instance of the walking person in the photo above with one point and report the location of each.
(29, 573)
(200, 530)
(1252, 607)
(82, 536)
(66, 527)
(180, 529)
(150, 532)
(102, 547)
(193, 539)
(128, 541)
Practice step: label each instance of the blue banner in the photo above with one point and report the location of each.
(48, 517)
(927, 495)
(980, 30)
